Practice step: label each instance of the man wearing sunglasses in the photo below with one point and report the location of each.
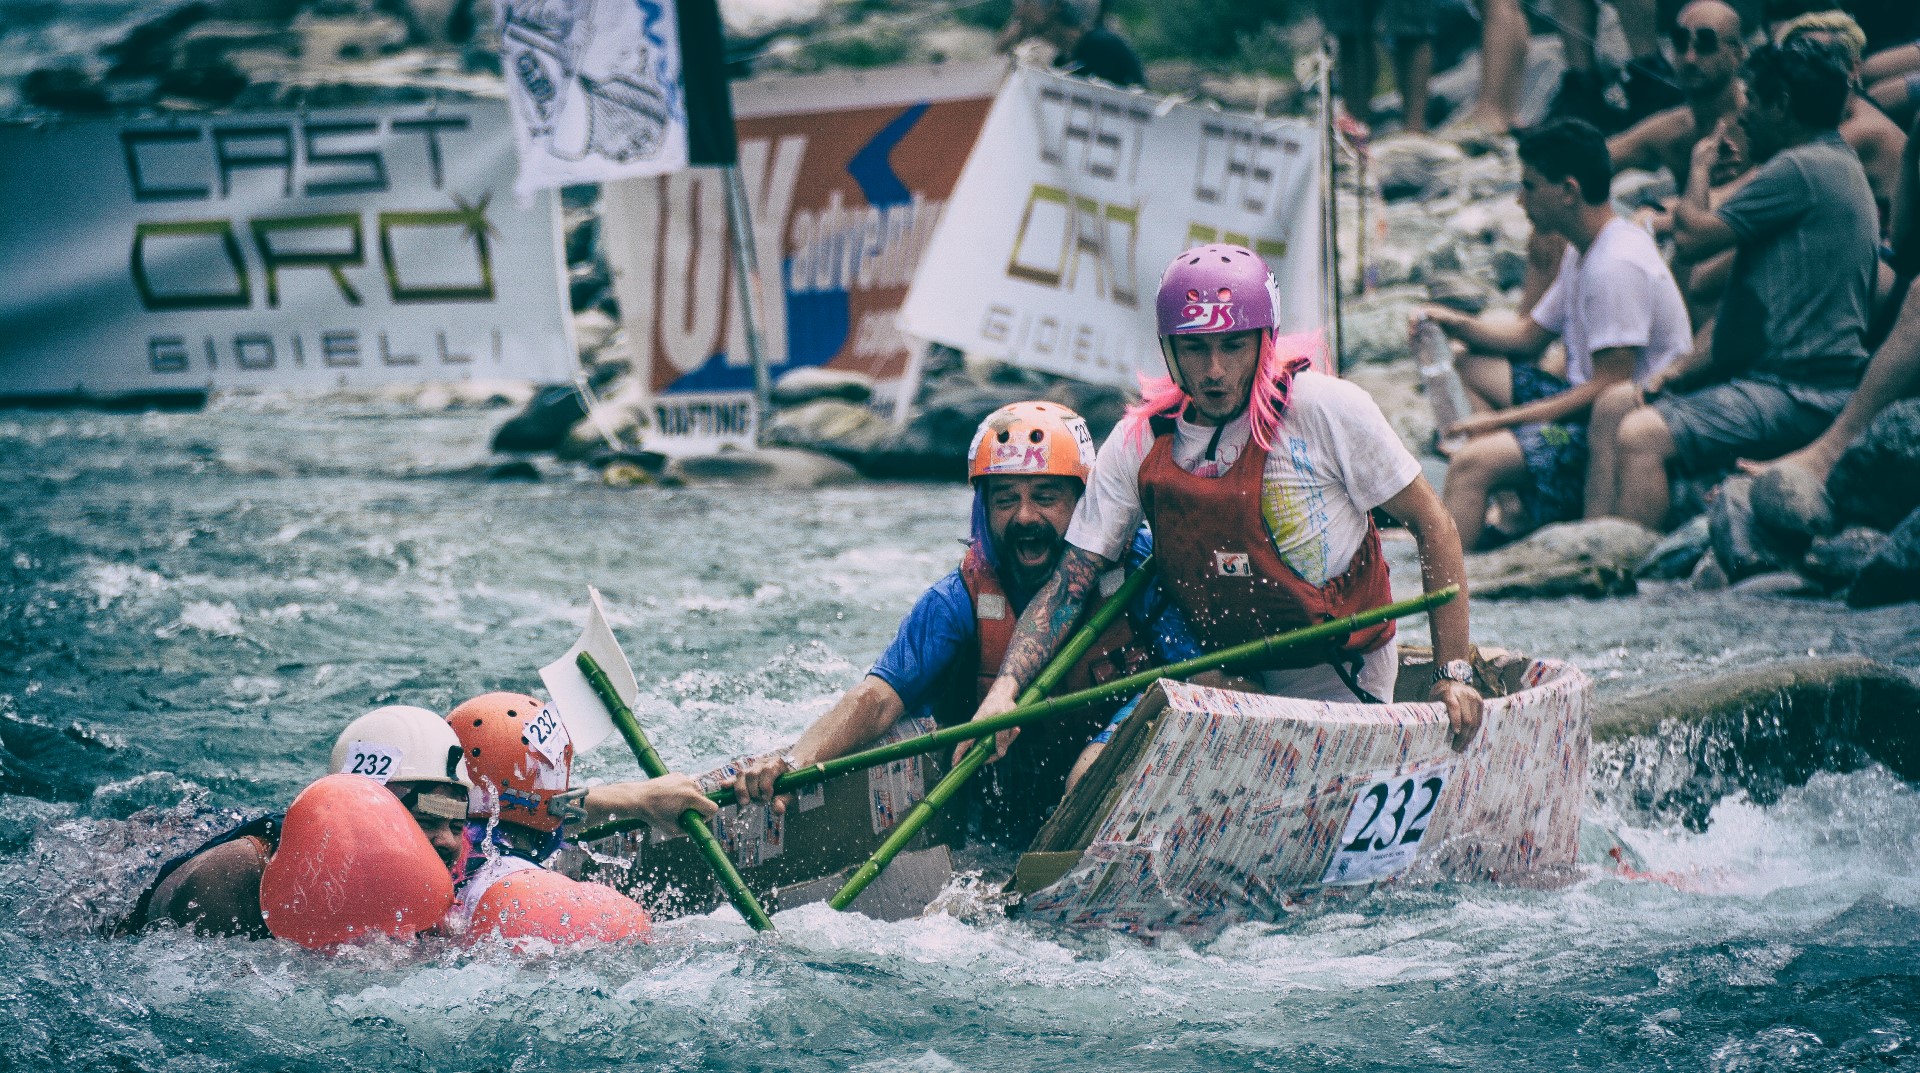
(1707, 52)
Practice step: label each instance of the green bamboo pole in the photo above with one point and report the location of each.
(690, 821)
(976, 757)
(947, 737)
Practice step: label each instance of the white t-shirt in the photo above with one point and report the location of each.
(1619, 294)
(1334, 459)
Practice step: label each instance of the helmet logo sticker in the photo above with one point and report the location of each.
(1232, 564)
(1206, 317)
(1018, 457)
(373, 759)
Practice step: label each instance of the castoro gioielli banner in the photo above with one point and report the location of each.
(310, 250)
(1076, 196)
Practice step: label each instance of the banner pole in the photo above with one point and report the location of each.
(746, 274)
(1331, 225)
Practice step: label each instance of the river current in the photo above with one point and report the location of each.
(192, 605)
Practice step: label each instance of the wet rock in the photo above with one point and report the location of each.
(1413, 165)
(586, 284)
(64, 89)
(625, 475)
(1741, 543)
(518, 469)
(583, 235)
(1776, 583)
(831, 425)
(544, 423)
(1877, 480)
(778, 467)
(1837, 560)
(1892, 576)
(1677, 554)
(1587, 558)
(810, 383)
(1678, 748)
(1789, 499)
(1707, 575)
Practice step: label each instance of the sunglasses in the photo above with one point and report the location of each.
(1704, 41)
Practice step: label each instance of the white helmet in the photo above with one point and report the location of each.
(401, 742)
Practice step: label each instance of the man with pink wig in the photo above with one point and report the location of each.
(1258, 478)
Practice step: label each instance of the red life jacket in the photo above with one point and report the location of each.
(1112, 655)
(1218, 563)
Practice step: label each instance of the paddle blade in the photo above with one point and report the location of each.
(587, 719)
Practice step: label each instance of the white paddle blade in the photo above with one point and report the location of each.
(587, 719)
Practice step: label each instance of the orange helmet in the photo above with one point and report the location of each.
(1031, 439)
(520, 759)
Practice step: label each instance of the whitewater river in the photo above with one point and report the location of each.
(191, 606)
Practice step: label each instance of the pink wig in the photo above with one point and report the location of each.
(1162, 396)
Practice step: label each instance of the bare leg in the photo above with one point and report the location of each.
(1581, 19)
(1893, 372)
(1603, 432)
(1489, 381)
(1503, 60)
(1644, 446)
(1412, 70)
(1895, 97)
(1890, 63)
(1484, 464)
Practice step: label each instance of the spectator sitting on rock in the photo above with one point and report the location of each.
(1647, 84)
(1085, 46)
(1893, 372)
(1876, 138)
(1708, 50)
(1789, 343)
(1613, 303)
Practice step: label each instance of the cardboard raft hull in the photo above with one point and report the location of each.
(1221, 807)
(1209, 807)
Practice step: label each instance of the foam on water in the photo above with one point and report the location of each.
(198, 603)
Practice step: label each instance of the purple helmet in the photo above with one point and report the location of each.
(1216, 288)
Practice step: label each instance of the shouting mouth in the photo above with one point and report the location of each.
(1032, 549)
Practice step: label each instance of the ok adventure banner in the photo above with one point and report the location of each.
(310, 250)
(1075, 198)
(846, 175)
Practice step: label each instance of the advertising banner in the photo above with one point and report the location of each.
(311, 250)
(846, 175)
(1075, 198)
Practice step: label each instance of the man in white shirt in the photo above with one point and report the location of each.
(1616, 307)
(1258, 479)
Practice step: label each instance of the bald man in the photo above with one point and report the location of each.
(1707, 53)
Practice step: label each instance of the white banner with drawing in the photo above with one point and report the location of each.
(311, 250)
(1078, 194)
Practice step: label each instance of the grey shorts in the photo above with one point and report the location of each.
(1403, 19)
(1744, 419)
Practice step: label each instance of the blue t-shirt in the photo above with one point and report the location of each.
(940, 627)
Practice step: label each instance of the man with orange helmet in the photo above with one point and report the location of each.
(1028, 464)
(519, 756)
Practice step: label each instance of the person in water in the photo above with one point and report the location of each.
(1028, 465)
(1258, 478)
(215, 889)
(520, 759)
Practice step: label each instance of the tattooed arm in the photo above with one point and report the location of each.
(1043, 627)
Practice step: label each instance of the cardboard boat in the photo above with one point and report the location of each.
(1209, 807)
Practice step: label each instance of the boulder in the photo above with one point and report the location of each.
(1789, 499)
(775, 466)
(545, 421)
(1707, 575)
(1836, 561)
(1678, 748)
(1877, 480)
(1457, 290)
(1740, 544)
(809, 383)
(1677, 554)
(1374, 326)
(1396, 388)
(1892, 576)
(1413, 165)
(593, 329)
(1099, 405)
(830, 425)
(1587, 558)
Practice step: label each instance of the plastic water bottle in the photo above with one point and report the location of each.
(1445, 391)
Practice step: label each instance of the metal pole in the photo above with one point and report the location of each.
(690, 821)
(746, 274)
(946, 737)
(1331, 215)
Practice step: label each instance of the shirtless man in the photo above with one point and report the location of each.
(1708, 51)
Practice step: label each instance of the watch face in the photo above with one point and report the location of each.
(1459, 670)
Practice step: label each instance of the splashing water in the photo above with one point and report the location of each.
(191, 606)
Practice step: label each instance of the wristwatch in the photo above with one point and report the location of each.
(1456, 670)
